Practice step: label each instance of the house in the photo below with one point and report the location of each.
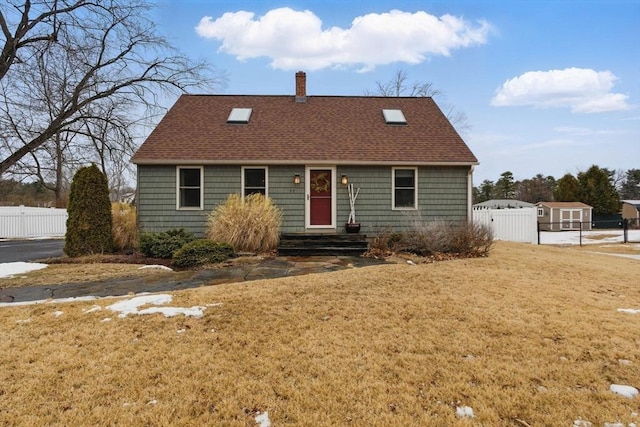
(631, 211)
(562, 216)
(302, 151)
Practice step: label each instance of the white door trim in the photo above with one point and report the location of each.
(307, 202)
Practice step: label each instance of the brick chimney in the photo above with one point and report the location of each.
(301, 86)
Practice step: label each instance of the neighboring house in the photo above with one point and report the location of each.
(503, 204)
(301, 151)
(560, 216)
(631, 211)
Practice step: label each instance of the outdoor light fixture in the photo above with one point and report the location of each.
(296, 179)
(344, 180)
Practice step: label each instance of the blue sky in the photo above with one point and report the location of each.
(548, 86)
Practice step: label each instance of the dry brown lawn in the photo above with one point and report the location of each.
(75, 273)
(530, 336)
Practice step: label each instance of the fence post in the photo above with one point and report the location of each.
(580, 233)
(538, 230)
(625, 230)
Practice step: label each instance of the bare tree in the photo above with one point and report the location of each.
(90, 55)
(399, 85)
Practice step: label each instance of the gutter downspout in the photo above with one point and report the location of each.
(470, 195)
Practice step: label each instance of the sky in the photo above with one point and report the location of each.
(548, 87)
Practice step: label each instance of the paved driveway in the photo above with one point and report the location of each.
(30, 250)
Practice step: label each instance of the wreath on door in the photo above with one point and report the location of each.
(320, 183)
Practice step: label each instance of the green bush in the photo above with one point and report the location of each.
(251, 224)
(164, 244)
(202, 251)
(89, 225)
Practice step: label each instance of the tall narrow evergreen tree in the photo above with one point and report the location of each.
(89, 226)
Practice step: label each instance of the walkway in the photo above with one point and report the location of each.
(267, 269)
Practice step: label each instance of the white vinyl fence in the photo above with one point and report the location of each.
(514, 225)
(20, 222)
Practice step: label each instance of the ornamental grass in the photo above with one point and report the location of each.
(251, 224)
(125, 226)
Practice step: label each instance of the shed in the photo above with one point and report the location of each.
(631, 211)
(564, 216)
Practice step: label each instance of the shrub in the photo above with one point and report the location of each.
(164, 244)
(249, 225)
(427, 238)
(202, 251)
(125, 227)
(89, 225)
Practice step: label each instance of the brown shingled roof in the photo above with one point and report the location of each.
(564, 204)
(324, 129)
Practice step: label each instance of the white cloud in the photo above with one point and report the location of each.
(296, 40)
(583, 90)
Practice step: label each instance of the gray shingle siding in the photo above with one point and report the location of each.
(442, 194)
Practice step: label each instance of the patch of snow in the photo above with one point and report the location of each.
(58, 313)
(582, 423)
(155, 267)
(625, 362)
(195, 311)
(92, 309)
(152, 402)
(10, 269)
(624, 390)
(263, 419)
(588, 237)
(23, 321)
(410, 262)
(181, 331)
(72, 299)
(464, 411)
(106, 319)
(629, 310)
(131, 306)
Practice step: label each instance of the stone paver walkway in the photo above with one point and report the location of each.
(266, 269)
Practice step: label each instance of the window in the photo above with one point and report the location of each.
(239, 115)
(394, 117)
(254, 180)
(189, 187)
(540, 212)
(404, 192)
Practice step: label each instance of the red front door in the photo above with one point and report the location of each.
(320, 197)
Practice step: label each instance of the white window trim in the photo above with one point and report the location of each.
(266, 179)
(189, 208)
(393, 189)
(540, 212)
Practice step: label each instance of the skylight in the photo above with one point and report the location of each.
(394, 117)
(239, 115)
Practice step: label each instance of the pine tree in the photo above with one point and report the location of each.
(597, 190)
(89, 225)
(567, 189)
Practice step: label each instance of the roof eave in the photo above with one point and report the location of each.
(168, 162)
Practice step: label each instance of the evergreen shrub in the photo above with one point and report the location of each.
(165, 243)
(202, 251)
(89, 224)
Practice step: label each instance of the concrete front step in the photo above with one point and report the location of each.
(322, 244)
